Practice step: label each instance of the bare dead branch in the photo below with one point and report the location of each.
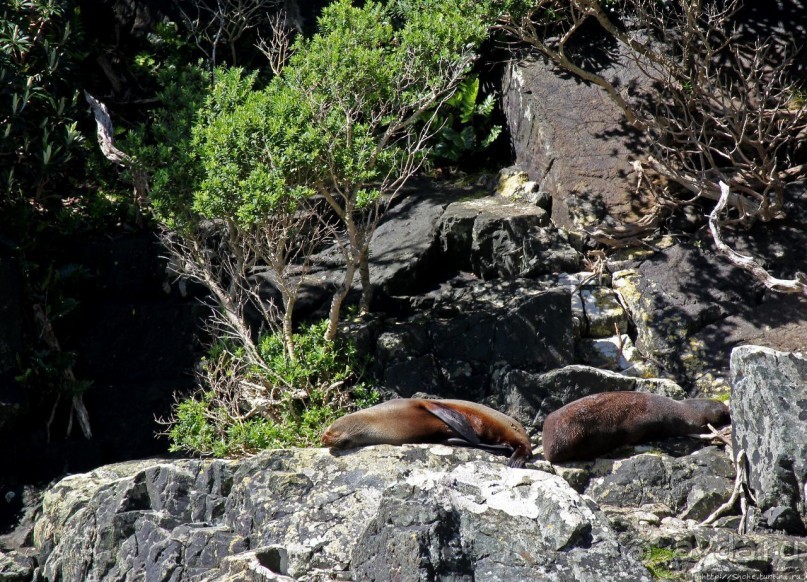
(717, 110)
(277, 49)
(739, 490)
(224, 23)
(113, 154)
(796, 285)
(77, 402)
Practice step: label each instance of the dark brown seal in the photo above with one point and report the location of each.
(451, 422)
(596, 424)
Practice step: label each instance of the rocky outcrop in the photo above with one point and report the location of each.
(495, 237)
(672, 548)
(404, 248)
(436, 230)
(769, 416)
(470, 328)
(573, 140)
(691, 307)
(380, 513)
(689, 487)
(15, 567)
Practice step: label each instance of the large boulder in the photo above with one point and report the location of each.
(498, 237)
(689, 487)
(769, 417)
(416, 512)
(473, 327)
(573, 140)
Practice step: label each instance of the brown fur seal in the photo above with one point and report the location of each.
(596, 424)
(451, 422)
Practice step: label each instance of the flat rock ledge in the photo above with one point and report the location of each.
(417, 512)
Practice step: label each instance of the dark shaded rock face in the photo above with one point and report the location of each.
(690, 306)
(769, 416)
(471, 328)
(438, 230)
(382, 513)
(530, 397)
(404, 249)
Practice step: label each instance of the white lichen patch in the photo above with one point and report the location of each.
(441, 450)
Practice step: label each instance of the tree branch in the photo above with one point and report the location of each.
(797, 285)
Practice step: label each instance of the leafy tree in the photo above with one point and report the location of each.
(349, 118)
(346, 119)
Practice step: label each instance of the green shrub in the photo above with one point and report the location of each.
(658, 561)
(38, 100)
(322, 385)
(318, 362)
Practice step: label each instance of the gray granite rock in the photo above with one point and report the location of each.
(679, 550)
(16, 567)
(383, 513)
(690, 487)
(404, 246)
(769, 418)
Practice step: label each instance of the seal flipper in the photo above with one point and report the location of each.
(456, 421)
(506, 450)
(518, 459)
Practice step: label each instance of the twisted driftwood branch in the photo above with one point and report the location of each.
(116, 156)
(796, 285)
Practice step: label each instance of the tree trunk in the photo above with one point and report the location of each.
(288, 338)
(339, 297)
(366, 286)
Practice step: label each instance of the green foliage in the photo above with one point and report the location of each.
(162, 144)
(249, 144)
(211, 424)
(325, 123)
(38, 102)
(318, 363)
(466, 124)
(723, 396)
(658, 560)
